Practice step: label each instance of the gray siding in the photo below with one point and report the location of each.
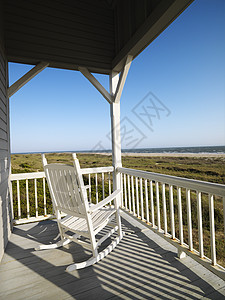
(5, 208)
(49, 31)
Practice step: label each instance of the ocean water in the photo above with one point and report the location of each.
(209, 150)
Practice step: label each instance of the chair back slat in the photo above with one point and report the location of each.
(74, 190)
(79, 176)
(65, 190)
(57, 187)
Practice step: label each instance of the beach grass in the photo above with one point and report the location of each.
(208, 168)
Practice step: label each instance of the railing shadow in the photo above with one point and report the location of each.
(138, 268)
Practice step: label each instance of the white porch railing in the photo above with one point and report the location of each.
(179, 210)
(31, 199)
(105, 174)
(165, 203)
(26, 197)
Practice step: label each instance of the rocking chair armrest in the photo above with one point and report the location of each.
(105, 201)
(85, 187)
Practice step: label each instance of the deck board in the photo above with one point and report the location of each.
(143, 266)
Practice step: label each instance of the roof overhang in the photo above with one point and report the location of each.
(98, 35)
(164, 14)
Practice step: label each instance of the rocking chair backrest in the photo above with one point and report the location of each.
(66, 192)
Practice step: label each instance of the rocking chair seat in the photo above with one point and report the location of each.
(79, 225)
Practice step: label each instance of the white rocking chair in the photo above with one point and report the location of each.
(69, 196)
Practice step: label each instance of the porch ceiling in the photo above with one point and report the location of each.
(94, 34)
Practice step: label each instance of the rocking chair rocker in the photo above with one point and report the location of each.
(69, 196)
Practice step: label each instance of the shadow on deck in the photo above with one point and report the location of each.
(143, 266)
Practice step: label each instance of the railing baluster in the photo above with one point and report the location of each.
(132, 188)
(224, 214)
(18, 199)
(11, 197)
(146, 200)
(200, 231)
(27, 196)
(137, 197)
(103, 186)
(142, 204)
(212, 230)
(180, 218)
(110, 184)
(125, 190)
(172, 212)
(129, 195)
(96, 187)
(111, 202)
(89, 183)
(35, 194)
(122, 193)
(164, 207)
(152, 204)
(44, 191)
(158, 206)
(188, 199)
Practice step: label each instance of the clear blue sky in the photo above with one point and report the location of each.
(183, 70)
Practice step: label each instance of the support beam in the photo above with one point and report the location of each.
(96, 84)
(115, 131)
(122, 78)
(25, 78)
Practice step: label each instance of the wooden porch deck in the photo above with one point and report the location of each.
(143, 266)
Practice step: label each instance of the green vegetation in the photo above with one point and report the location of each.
(209, 169)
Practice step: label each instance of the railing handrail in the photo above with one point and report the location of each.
(203, 186)
(97, 170)
(84, 171)
(24, 176)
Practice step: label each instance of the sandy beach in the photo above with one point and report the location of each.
(206, 155)
(176, 154)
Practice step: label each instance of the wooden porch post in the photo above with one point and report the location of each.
(116, 87)
(115, 131)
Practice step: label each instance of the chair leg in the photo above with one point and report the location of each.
(91, 261)
(94, 244)
(61, 229)
(118, 222)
